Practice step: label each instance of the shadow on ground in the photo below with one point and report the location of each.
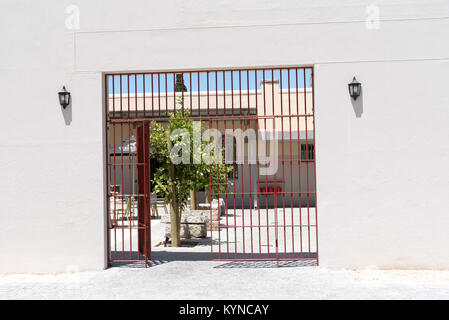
(161, 257)
(267, 264)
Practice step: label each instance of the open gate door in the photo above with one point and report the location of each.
(143, 190)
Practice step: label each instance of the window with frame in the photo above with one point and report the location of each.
(234, 174)
(307, 151)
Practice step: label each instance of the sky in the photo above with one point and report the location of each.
(230, 80)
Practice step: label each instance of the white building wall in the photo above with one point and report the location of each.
(377, 206)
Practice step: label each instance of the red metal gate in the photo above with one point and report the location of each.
(128, 164)
(143, 192)
(267, 204)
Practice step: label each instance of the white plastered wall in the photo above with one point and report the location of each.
(382, 178)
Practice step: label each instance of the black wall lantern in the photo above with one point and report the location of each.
(355, 88)
(64, 97)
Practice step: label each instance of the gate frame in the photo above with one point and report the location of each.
(105, 108)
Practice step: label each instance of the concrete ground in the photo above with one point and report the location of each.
(188, 273)
(215, 280)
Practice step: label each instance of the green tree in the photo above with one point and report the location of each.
(173, 181)
(179, 85)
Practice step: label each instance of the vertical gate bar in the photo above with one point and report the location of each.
(140, 214)
(291, 164)
(135, 88)
(275, 191)
(134, 159)
(159, 94)
(107, 204)
(249, 168)
(152, 95)
(174, 92)
(127, 83)
(115, 173)
(129, 171)
(257, 165)
(148, 252)
(145, 218)
(307, 161)
(121, 165)
(211, 224)
(283, 164)
(144, 95)
(210, 167)
(240, 93)
(233, 164)
(166, 94)
(226, 175)
(232, 94)
(314, 162)
(190, 84)
(242, 164)
(208, 107)
(299, 164)
(182, 94)
(266, 177)
(210, 171)
(135, 193)
(218, 170)
(199, 95)
(216, 96)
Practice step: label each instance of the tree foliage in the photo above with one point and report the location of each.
(197, 174)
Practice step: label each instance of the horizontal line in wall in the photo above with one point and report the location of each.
(263, 25)
(384, 60)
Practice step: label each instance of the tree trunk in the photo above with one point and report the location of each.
(175, 224)
(193, 200)
(175, 219)
(207, 195)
